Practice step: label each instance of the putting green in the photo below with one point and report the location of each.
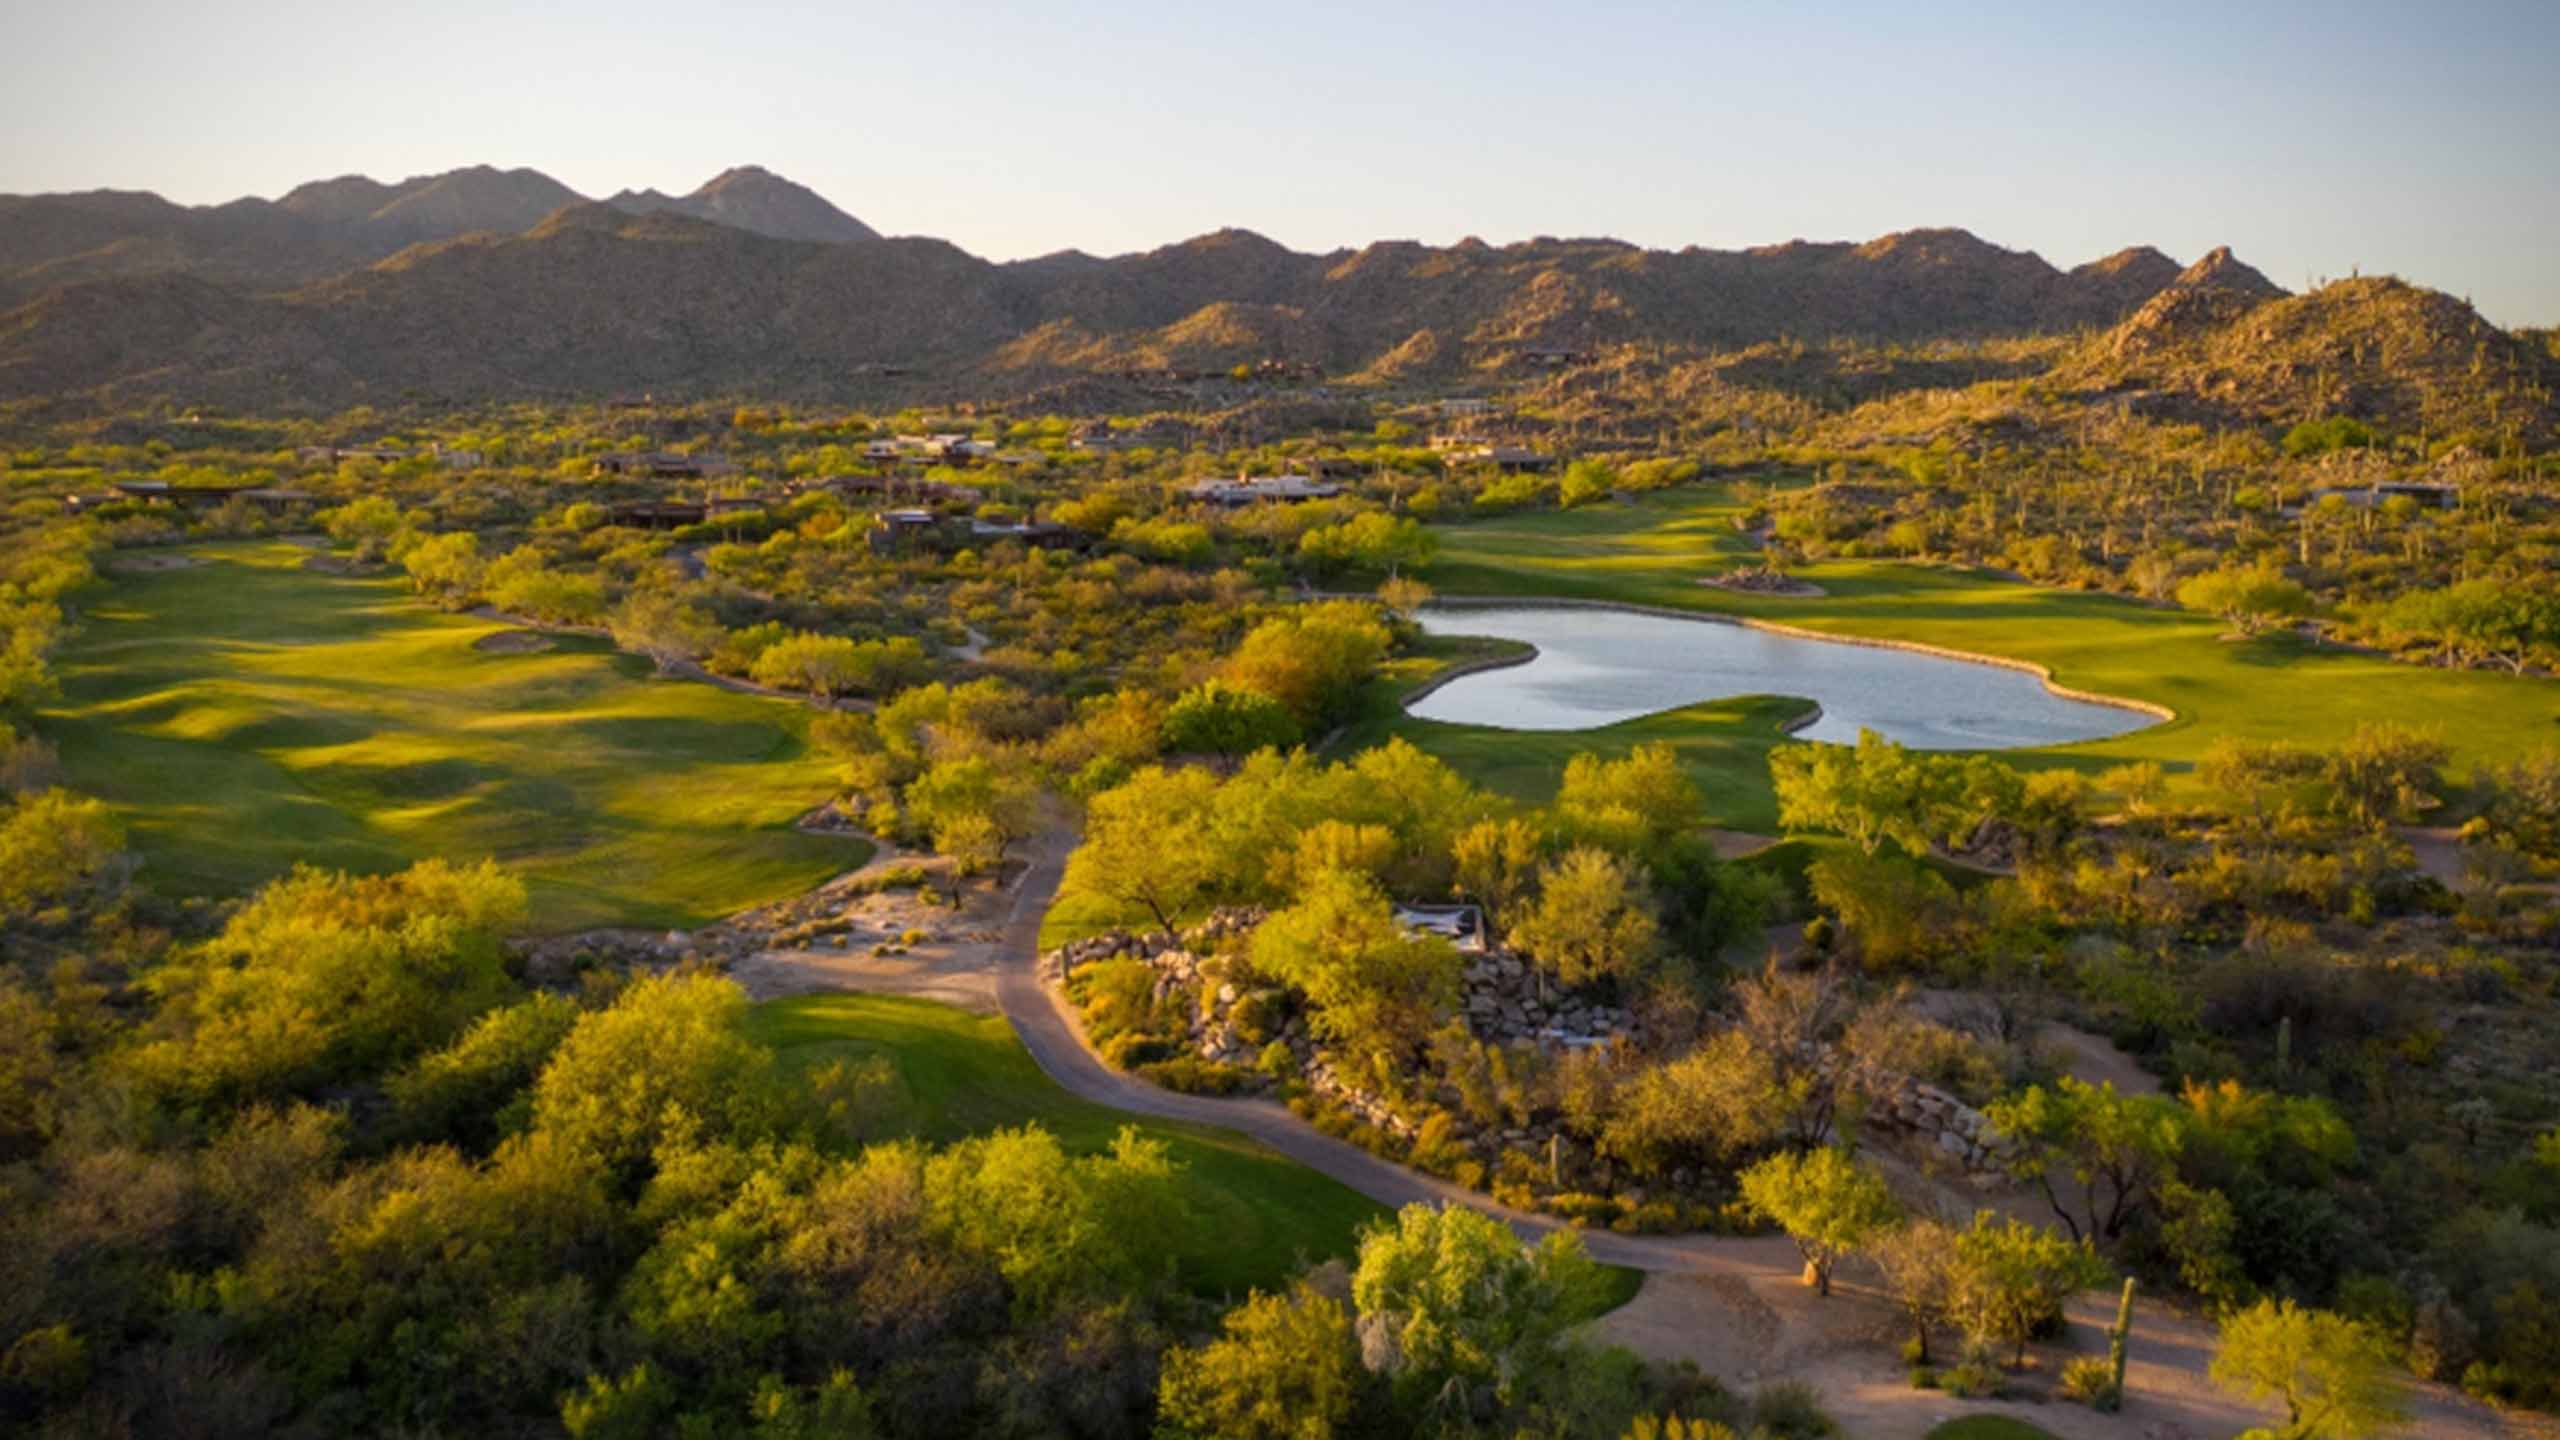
(1654, 552)
(247, 714)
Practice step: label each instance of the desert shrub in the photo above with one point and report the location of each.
(1193, 1075)
(1790, 1410)
(2091, 1381)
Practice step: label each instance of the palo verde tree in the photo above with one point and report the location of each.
(1826, 1201)
(2334, 1376)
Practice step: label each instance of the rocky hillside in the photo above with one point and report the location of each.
(483, 282)
(2222, 345)
(328, 227)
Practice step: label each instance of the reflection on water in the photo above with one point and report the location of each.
(1596, 667)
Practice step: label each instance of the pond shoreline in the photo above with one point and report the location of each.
(2043, 674)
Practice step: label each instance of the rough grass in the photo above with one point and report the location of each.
(248, 714)
(1255, 1217)
(1653, 553)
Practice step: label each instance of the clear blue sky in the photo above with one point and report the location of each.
(2418, 138)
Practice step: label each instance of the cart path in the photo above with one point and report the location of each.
(1734, 1304)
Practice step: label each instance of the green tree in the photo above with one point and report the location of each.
(1592, 920)
(974, 808)
(2011, 1278)
(1642, 803)
(1457, 1311)
(1147, 843)
(669, 1060)
(51, 844)
(1282, 1368)
(2251, 597)
(1872, 792)
(1826, 1201)
(2116, 1148)
(2333, 1375)
(1056, 1226)
(446, 569)
(1215, 718)
(664, 627)
(1377, 991)
(323, 975)
(1312, 660)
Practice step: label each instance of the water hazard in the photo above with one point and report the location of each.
(1597, 666)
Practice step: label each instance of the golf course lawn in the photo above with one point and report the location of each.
(1255, 1217)
(1654, 552)
(246, 714)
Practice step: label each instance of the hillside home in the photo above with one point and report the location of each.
(2368, 497)
(1514, 458)
(1252, 489)
(1460, 925)
(661, 464)
(897, 530)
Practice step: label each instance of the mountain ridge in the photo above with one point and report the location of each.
(690, 295)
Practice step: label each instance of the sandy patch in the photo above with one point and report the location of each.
(845, 935)
(343, 565)
(514, 642)
(1757, 584)
(147, 564)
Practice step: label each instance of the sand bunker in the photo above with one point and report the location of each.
(513, 642)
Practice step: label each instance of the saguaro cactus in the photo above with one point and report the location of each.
(2117, 1336)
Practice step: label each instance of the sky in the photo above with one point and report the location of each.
(2421, 139)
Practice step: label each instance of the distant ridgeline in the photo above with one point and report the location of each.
(482, 284)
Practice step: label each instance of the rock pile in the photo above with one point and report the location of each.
(1963, 1134)
(1505, 1004)
(1500, 994)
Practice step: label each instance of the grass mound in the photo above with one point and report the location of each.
(247, 714)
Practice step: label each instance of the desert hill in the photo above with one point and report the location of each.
(483, 282)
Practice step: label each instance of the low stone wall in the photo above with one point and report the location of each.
(1963, 1135)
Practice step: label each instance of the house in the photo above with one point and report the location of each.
(895, 530)
(847, 486)
(1459, 440)
(200, 497)
(333, 454)
(1458, 406)
(1035, 533)
(2369, 497)
(661, 464)
(1460, 925)
(1555, 359)
(1249, 489)
(880, 450)
(658, 514)
(1513, 458)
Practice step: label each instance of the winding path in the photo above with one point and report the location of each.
(1733, 1304)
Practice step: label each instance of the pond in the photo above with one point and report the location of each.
(1599, 666)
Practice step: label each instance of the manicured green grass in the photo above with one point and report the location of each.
(247, 714)
(1989, 1427)
(1256, 1218)
(1724, 744)
(1654, 552)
